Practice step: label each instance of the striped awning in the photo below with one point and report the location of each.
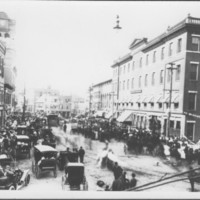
(138, 100)
(175, 99)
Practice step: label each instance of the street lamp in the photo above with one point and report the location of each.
(171, 68)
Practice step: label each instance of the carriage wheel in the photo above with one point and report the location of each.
(27, 180)
(33, 167)
(37, 172)
(11, 187)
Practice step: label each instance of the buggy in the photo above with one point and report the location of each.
(45, 159)
(74, 177)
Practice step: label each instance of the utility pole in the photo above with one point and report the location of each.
(24, 106)
(171, 68)
(117, 27)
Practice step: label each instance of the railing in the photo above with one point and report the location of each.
(193, 20)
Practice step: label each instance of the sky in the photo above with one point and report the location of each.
(70, 45)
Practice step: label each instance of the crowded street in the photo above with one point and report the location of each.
(130, 162)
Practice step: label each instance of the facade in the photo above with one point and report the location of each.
(7, 34)
(65, 106)
(102, 96)
(159, 80)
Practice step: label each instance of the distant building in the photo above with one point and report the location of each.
(142, 79)
(101, 96)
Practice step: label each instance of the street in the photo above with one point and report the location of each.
(145, 167)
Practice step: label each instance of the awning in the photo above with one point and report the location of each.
(159, 99)
(109, 115)
(144, 100)
(151, 99)
(138, 100)
(99, 114)
(125, 116)
(175, 99)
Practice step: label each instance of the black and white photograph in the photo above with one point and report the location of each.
(99, 99)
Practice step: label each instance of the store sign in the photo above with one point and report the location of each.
(136, 91)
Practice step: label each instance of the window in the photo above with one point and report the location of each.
(192, 101)
(133, 65)
(128, 67)
(146, 80)
(153, 78)
(162, 53)
(140, 62)
(147, 59)
(161, 77)
(120, 85)
(124, 69)
(145, 105)
(124, 85)
(160, 105)
(171, 124)
(152, 105)
(178, 71)
(139, 84)
(176, 105)
(132, 83)
(179, 45)
(178, 125)
(170, 49)
(196, 43)
(194, 72)
(128, 84)
(190, 130)
(168, 75)
(154, 56)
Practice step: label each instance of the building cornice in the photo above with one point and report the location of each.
(102, 83)
(122, 60)
(171, 32)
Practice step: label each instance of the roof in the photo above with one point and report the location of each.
(45, 148)
(125, 116)
(102, 83)
(22, 137)
(73, 164)
(171, 30)
(122, 60)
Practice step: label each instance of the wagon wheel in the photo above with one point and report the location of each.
(37, 172)
(11, 187)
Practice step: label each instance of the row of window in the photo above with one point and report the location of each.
(195, 47)
(152, 105)
(193, 76)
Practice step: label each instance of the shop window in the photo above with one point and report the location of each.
(152, 105)
(171, 124)
(190, 130)
(145, 105)
(160, 105)
(178, 125)
(131, 104)
(139, 105)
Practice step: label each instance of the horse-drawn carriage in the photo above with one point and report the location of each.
(45, 159)
(74, 177)
(66, 157)
(21, 146)
(48, 137)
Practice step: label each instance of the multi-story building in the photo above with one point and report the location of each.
(7, 34)
(102, 96)
(160, 80)
(65, 106)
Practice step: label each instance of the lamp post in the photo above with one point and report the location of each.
(117, 28)
(171, 68)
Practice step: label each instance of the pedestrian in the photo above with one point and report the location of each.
(65, 127)
(133, 181)
(81, 153)
(117, 171)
